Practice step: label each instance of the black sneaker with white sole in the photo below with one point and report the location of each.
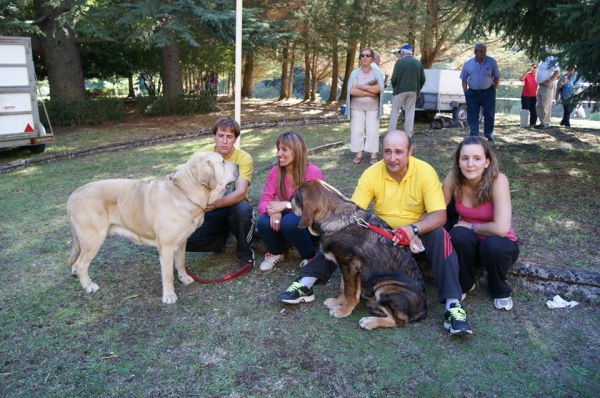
(297, 293)
(455, 320)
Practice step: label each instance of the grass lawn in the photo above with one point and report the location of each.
(234, 339)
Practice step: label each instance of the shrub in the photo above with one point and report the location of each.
(264, 91)
(594, 116)
(205, 101)
(79, 113)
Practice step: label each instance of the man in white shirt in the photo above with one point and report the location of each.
(546, 76)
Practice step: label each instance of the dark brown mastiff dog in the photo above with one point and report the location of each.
(386, 275)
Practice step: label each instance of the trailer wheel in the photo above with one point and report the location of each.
(460, 113)
(40, 148)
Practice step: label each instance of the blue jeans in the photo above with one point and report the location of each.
(482, 99)
(212, 235)
(288, 232)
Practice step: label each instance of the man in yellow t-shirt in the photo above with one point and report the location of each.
(406, 193)
(233, 212)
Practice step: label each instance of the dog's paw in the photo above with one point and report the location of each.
(73, 271)
(91, 287)
(331, 302)
(369, 323)
(340, 312)
(169, 298)
(185, 279)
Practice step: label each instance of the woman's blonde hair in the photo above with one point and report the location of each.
(295, 142)
(370, 50)
(485, 187)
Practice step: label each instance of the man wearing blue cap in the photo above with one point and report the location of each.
(480, 79)
(408, 79)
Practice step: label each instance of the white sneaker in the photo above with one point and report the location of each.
(270, 261)
(503, 303)
(464, 295)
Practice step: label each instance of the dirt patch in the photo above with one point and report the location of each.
(252, 111)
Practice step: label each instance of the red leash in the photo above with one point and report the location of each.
(400, 234)
(243, 270)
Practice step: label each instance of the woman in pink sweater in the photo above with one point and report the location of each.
(483, 234)
(277, 223)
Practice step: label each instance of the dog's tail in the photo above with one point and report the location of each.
(76, 246)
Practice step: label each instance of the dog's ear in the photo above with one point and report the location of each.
(206, 174)
(308, 209)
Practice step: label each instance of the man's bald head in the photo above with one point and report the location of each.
(397, 136)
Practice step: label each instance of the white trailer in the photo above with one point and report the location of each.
(19, 118)
(443, 92)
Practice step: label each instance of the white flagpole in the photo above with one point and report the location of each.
(238, 64)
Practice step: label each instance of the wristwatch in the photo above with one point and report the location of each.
(415, 229)
(289, 205)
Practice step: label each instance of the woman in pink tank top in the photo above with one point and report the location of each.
(483, 234)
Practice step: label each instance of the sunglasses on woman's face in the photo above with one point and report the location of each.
(365, 55)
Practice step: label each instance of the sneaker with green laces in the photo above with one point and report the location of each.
(455, 320)
(297, 293)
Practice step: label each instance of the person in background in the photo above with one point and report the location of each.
(408, 79)
(375, 65)
(547, 73)
(277, 223)
(376, 60)
(232, 213)
(364, 106)
(406, 193)
(482, 77)
(528, 100)
(483, 234)
(567, 86)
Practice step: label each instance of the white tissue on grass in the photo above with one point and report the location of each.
(559, 302)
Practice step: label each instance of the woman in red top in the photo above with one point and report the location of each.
(528, 100)
(483, 233)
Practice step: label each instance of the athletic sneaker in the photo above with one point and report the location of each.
(455, 320)
(503, 303)
(270, 261)
(297, 293)
(304, 262)
(464, 295)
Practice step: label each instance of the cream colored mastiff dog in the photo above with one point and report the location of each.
(161, 213)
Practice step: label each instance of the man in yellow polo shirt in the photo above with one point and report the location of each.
(232, 212)
(406, 193)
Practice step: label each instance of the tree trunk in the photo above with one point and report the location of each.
(306, 70)
(334, 71)
(291, 78)
(60, 52)
(411, 22)
(170, 70)
(313, 73)
(130, 84)
(350, 54)
(247, 78)
(431, 40)
(285, 55)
